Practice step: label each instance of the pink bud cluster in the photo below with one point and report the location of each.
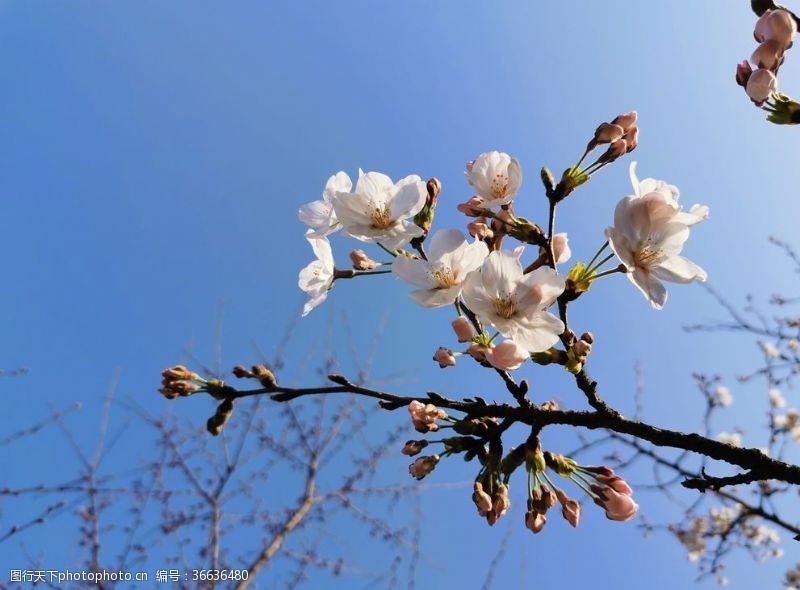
(612, 493)
(774, 31)
(178, 381)
(491, 507)
(424, 416)
(621, 134)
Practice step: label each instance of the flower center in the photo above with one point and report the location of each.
(381, 218)
(505, 307)
(444, 277)
(647, 256)
(499, 185)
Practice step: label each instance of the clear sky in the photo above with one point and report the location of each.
(154, 155)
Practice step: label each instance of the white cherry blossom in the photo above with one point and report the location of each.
(316, 278)
(439, 279)
(379, 210)
(648, 235)
(515, 303)
(496, 177)
(319, 215)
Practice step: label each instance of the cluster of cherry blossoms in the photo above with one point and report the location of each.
(774, 31)
(491, 488)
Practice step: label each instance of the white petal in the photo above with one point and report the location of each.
(653, 290)
(539, 332)
(444, 241)
(539, 289)
(436, 297)
(409, 198)
(678, 269)
(314, 302)
(352, 209)
(322, 250)
(339, 182)
(501, 272)
(414, 272)
(374, 185)
(476, 296)
(634, 179)
(695, 215)
(468, 259)
(621, 247)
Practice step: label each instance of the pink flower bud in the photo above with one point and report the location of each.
(424, 416)
(768, 55)
(631, 137)
(626, 120)
(743, 72)
(501, 502)
(414, 447)
(178, 373)
(463, 329)
(473, 207)
(550, 405)
(778, 25)
(507, 356)
(482, 500)
(582, 348)
(614, 151)
(607, 132)
(618, 506)
(478, 352)
(535, 521)
(761, 85)
(445, 358)
(570, 509)
(423, 466)
(561, 248)
(479, 229)
(361, 261)
(616, 483)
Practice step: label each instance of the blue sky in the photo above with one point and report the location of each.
(154, 156)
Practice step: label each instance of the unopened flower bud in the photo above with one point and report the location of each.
(582, 348)
(473, 208)
(414, 447)
(479, 229)
(444, 356)
(743, 72)
(507, 356)
(535, 521)
(587, 337)
(220, 417)
(463, 329)
(626, 120)
(241, 373)
(761, 85)
(178, 373)
(184, 388)
(501, 502)
(614, 151)
(631, 138)
(768, 55)
(264, 376)
(361, 261)
(482, 500)
(478, 352)
(423, 466)
(570, 509)
(607, 132)
(550, 405)
(778, 25)
(168, 392)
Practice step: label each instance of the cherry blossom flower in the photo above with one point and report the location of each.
(440, 278)
(515, 303)
(319, 215)
(380, 210)
(648, 235)
(730, 438)
(316, 278)
(723, 396)
(776, 399)
(496, 177)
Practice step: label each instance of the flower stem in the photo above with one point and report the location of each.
(601, 263)
(597, 254)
